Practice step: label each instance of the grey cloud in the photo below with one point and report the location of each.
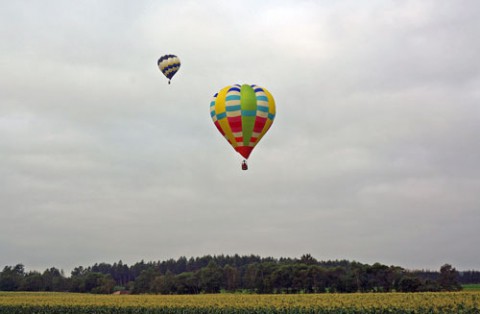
(372, 155)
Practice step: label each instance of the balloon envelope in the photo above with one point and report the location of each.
(169, 65)
(243, 114)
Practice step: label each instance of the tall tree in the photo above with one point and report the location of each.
(164, 284)
(54, 280)
(448, 279)
(11, 278)
(211, 278)
(143, 283)
(231, 277)
(33, 281)
(188, 283)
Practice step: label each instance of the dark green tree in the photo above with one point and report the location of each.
(308, 259)
(33, 281)
(143, 283)
(409, 283)
(231, 278)
(282, 278)
(105, 284)
(93, 281)
(188, 283)
(54, 280)
(319, 278)
(11, 278)
(211, 278)
(448, 279)
(164, 284)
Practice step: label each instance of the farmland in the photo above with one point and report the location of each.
(53, 303)
(471, 287)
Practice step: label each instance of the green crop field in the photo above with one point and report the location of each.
(471, 287)
(72, 303)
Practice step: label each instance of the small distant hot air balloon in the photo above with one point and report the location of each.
(169, 65)
(243, 114)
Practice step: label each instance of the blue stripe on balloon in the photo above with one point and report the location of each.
(264, 98)
(271, 116)
(233, 108)
(221, 115)
(262, 108)
(166, 57)
(232, 97)
(249, 113)
(234, 89)
(172, 66)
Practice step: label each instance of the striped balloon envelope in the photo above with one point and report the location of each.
(169, 65)
(243, 114)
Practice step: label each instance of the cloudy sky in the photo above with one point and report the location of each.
(373, 155)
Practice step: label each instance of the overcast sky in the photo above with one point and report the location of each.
(373, 155)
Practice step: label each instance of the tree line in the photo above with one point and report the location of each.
(248, 274)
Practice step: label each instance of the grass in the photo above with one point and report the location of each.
(471, 287)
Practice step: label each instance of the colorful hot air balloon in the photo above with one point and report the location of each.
(243, 114)
(169, 65)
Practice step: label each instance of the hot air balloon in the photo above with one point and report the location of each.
(169, 65)
(243, 114)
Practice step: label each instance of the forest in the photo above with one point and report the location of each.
(244, 274)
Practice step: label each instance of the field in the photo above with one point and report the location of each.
(471, 287)
(72, 303)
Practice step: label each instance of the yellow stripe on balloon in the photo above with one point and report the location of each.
(220, 107)
(271, 110)
(169, 62)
